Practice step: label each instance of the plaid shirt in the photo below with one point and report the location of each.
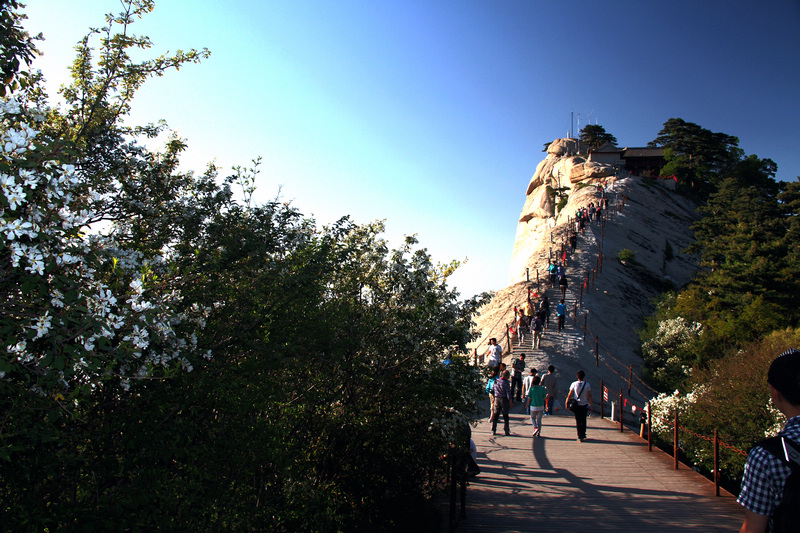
(502, 389)
(765, 475)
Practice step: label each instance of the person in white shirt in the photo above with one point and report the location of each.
(526, 385)
(495, 354)
(582, 392)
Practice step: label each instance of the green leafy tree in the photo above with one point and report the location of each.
(326, 405)
(748, 281)
(18, 49)
(594, 136)
(698, 157)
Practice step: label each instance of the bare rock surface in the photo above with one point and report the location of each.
(644, 217)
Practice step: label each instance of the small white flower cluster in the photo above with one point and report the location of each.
(448, 424)
(128, 330)
(664, 406)
(673, 335)
(778, 420)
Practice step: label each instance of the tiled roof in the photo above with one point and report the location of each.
(643, 152)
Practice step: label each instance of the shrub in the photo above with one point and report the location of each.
(626, 256)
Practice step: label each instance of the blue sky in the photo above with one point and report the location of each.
(433, 115)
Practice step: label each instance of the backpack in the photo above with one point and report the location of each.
(490, 386)
(787, 514)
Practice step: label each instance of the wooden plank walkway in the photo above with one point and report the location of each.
(610, 482)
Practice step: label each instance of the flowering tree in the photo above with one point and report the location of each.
(665, 352)
(83, 308)
(326, 404)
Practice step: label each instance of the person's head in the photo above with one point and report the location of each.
(551, 369)
(784, 376)
(506, 374)
(502, 367)
(562, 300)
(533, 371)
(581, 375)
(492, 341)
(536, 381)
(522, 356)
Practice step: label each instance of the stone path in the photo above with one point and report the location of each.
(610, 482)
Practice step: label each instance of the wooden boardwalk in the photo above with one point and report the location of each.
(610, 482)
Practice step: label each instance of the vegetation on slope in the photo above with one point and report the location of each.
(711, 342)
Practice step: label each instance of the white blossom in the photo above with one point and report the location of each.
(43, 325)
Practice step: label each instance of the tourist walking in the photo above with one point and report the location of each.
(527, 309)
(502, 402)
(526, 385)
(562, 283)
(544, 306)
(561, 313)
(769, 463)
(490, 391)
(518, 367)
(550, 384)
(521, 325)
(581, 391)
(495, 353)
(538, 329)
(535, 401)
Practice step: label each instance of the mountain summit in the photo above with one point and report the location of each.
(611, 297)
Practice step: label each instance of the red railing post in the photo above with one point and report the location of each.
(630, 382)
(597, 352)
(675, 443)
(621, 427)
(601, 399)
(716, 463)
(649, 429)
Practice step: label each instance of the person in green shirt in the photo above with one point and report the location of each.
(535, 400)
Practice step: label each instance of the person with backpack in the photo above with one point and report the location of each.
(550, 384)
(518, 366)
(544, 306)
(538, 329)
(770, 491)
(562, 283)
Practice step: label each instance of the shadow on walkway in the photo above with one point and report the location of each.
(610, 482)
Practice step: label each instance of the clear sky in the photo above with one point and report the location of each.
(433, 114)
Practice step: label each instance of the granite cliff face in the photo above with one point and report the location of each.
(563, 169)
(644, 216)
